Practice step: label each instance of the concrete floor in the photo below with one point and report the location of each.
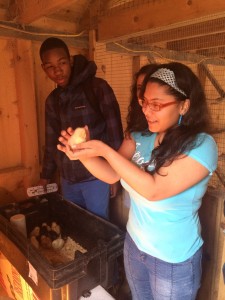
(122, 293)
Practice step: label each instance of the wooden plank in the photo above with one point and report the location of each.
(74, 12)
(218, 261)
(201, 75)
(9, 119)
(221, 292)
(92, 44)
(33, 33)
(29, 11)
(213, 80)
(24, 73)
(135, 64)
(46, 24)
(154, 14)
(210, 217)
(12, 185)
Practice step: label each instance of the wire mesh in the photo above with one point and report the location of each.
(200, 44)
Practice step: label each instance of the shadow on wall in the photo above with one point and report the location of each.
(6, 197)
(119, 209)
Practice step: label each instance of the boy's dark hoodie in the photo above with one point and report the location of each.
(70, 107)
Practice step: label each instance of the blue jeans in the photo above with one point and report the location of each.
(92, 195)
(150, 278)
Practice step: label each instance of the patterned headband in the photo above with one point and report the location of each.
(168, 77)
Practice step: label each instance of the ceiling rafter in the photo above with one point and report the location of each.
(152, 15)
(198, 28)
(25, 12)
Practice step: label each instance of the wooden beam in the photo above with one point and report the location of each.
(92, 44)
(211, 215)
(48, 24)
(154, 14)
(201, 75)
(31, 33)
(136, 64)
(211, 77)
(221, 284)
(25, 12)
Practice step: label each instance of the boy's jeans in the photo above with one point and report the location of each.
(92, 195)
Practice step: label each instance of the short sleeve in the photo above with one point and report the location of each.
(206, 152)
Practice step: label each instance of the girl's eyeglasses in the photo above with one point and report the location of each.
(154, 106)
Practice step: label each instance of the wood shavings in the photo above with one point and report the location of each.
(70, 247)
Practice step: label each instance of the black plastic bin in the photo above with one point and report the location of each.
(103, 241)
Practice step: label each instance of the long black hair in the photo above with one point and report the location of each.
(136, 120)
(181, 139)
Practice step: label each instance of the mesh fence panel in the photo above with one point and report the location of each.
(196, 43)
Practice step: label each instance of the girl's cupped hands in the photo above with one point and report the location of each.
(82, 151)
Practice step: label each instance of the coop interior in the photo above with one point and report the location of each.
(120, 36)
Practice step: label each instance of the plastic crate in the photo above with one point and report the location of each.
(103, 241)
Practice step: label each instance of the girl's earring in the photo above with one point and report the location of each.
(180, 120)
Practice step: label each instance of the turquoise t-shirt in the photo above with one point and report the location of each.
(169, 229)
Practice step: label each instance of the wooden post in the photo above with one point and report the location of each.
(92, 44)
(135, 64)
(211, 215)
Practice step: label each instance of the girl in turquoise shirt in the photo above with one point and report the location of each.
(165, 168)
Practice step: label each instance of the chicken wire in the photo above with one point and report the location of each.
(196, 43)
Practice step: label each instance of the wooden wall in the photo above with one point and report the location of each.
(24, 88)
(18, 120)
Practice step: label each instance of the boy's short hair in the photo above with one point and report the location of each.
(52, 43)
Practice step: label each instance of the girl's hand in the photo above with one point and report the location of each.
(65, 137)
(85, 150)
(80, 151)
